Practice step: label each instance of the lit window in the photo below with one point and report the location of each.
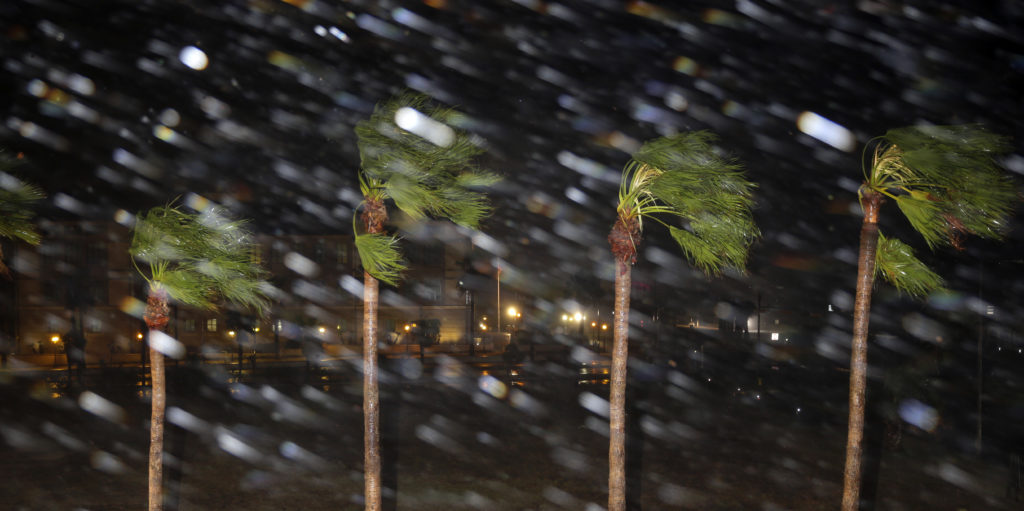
(211, 325)
(775, 336)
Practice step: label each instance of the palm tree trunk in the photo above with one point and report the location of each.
(371, 396)
(617, 405)
(859, 351)
(156, 428)
(156, 317)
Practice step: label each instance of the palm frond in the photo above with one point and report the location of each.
(421, 177)
(946, 180)
(380, 257)
(895, 261)
(200, 258)
(682, 176)
(17, 203)
(16, 212)
(925, 215)
(187, 286)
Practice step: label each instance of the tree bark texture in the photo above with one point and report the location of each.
(617, 405)
(156, 428)
(156, 317)
(371, 396)
(859, 352)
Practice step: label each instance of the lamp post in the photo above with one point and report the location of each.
(55, 339)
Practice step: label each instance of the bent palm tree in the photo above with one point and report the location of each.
(197, 260)
(679, 176)
(410, 154)
(946, 182)
(16, 202)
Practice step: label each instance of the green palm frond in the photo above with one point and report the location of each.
(17, 203)
(200, 259)
(380, 257)
(682, 176)
(946, 180)
(425, 176)
(895, 261)
(411, 170)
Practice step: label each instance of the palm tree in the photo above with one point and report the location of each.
(946, 182)
(198, 259)
(412, 155)
(681, 176)
(16, 203)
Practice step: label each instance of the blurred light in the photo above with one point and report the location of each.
(686, 65)
(512, 312)
(604, 326)
(55, 339)
(341, 36)
(164, 133)
(775, 336)
(194, 58)
(170, 117)
(100, 406)
(493, 386)
(37, 88)
(826, 131)
(565, 317)
(231, 333)
(197, 202)
(919, 414)
(300, 264)
(413, 121)
(578, 317)
(406, 328)
(138, 336)
(166, 344)
(321, 330)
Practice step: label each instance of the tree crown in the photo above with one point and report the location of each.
(414, 154)
(947, 182)
(199, 259)
(682, 176)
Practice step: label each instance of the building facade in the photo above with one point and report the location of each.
(81, 278)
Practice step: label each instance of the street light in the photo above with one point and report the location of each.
(55, 339)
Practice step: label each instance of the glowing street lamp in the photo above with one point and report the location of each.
(55, 339)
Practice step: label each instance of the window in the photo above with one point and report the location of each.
(190, 325)
(93, 325)
(342, 253)
(319, 251)
(211, 325)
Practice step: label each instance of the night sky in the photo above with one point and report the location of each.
(102, 102)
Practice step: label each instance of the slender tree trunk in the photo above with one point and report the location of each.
(156, 428)
(859, 351)
(371, 396)
(156, 317)
(617, 405)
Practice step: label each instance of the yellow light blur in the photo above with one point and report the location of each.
(512, 312)
(565, 317)
(322, 330)
(231, 333)
(55, 339)
(256, 329)
(593, 323)
(138, 336)
(604, 326)
(578, 316)
(406, 328)
(483, 326)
